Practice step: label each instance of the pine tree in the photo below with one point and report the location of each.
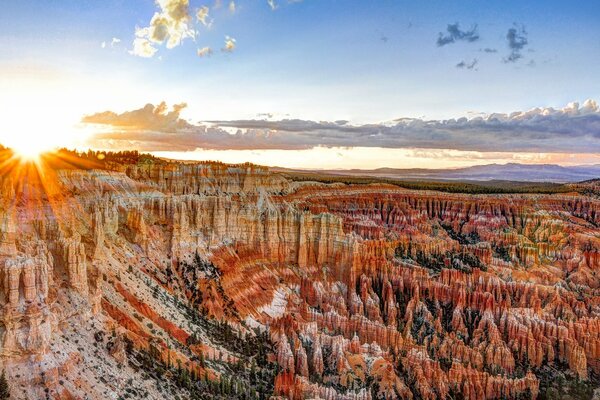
(4, 389)
(202, 362)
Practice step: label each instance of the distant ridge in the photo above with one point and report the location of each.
(488, 172)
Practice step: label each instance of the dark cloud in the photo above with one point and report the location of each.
(467, 65)
(573, 129)
(456, 34)
(517, 40)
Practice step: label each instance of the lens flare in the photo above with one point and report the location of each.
(29, 151)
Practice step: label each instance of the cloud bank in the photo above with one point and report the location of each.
(573, 129)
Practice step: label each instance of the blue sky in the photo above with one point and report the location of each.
(361, 61)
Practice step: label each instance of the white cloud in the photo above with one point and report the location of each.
(204, 52)
(143, 48)
(202, 16)
(171, 24)
(230, 44)
(113, 43)
(149, 117)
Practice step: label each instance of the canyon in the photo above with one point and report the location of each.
(154, 279)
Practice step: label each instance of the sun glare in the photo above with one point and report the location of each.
(29, 151)
(29, 148)
(29, 139)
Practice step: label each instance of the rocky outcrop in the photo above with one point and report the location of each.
(207, 178)
(72, 261)
(26, 321)
(8, 235)
(363, 292)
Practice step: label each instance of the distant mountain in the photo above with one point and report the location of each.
(508, 172)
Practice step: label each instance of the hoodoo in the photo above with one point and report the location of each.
(208, 279)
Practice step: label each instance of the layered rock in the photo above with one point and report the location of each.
(364, 292)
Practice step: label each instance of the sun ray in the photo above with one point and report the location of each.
(35, 186)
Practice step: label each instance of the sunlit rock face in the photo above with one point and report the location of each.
(256, 286)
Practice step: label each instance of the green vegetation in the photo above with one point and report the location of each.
(555, 385)
(4, 389)
(91, 159)
(421, 327)
(250, 377)
(246, 373)
(487, 187)
(463, 239)
(502, 252)
(112, 160)
(404, 252)
(191, 274)
(244, 370)
(463, 260)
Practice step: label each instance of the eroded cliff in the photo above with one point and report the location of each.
(231, 281)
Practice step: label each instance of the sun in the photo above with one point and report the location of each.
(40, 122)
(38, 135)
(29, 150)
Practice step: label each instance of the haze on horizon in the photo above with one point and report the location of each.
(304, 83)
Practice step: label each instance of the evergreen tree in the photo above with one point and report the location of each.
(4, 389)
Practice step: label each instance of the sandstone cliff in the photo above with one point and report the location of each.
(354, 292)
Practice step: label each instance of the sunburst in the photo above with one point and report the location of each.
(32, 171)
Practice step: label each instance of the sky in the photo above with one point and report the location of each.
(306, 83)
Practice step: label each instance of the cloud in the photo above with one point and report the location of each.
(149, 117)
(204, 52)
(113, 43)
(574, 129)
(170, 25)
(466, 65)
(143, 48)
(455, 34)
(202, 16)
(517, 40)
(229, 44)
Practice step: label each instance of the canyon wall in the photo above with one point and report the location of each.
(363, 292)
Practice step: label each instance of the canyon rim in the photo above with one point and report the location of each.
(299, 199)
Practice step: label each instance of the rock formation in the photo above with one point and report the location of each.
(211, 274)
